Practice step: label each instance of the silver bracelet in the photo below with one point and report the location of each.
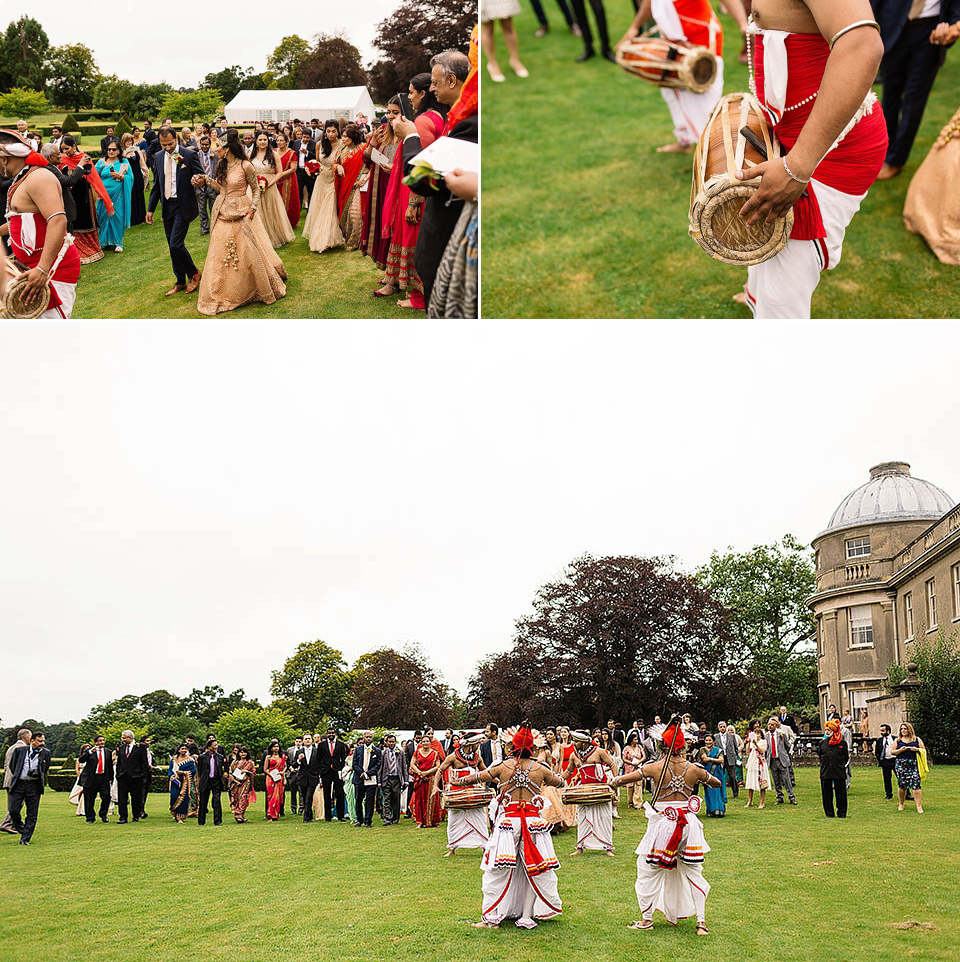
(853, 26)
(791, 173)
(42, 271)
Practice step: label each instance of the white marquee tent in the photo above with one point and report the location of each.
(286, 105)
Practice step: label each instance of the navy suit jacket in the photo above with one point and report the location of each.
(16, 764)
(186, 196)
(892, 17)
(375, 758)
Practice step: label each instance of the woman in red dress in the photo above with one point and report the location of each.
(289, 187)
(86, 231)
(348, 169)
(425, 802)
(275, 762)
(402, 211)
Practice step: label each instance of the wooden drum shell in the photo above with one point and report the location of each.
(469, 797)
(590, 794)
(716, 196)
(667, 63)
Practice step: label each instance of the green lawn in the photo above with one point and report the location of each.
(787, 884)
(582, 218)
(336, 283)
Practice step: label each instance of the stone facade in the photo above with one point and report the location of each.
(890, 552)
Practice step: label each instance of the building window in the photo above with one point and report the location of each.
(931, 592)
(283, 115)
(816, 560)
(955, 579)
(861, 626)
(858, 547)
(858, 700)
(908, 614)
(264, 115)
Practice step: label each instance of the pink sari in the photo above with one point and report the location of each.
(400, 272)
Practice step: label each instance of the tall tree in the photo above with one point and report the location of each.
(765, 591)
(228, 81)
(73, 76)
(620, 635)
(332, 62)
(412, 34)
(254, 728)
(23, 102)
(397, 689)
(209, 703)
(195, 105)
(24, 53)
(115, 94)
(313, 686)
(284, 62)
(509, 687)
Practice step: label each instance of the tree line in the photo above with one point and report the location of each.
(620, 637)
(34, 75)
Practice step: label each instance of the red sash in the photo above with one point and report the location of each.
(532, 859)
(853, 165)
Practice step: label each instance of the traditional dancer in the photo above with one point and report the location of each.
(670, 855)
(466, 827)
(594, 822)
(37, 226)
(520, 840)
(813, 65)
(692, 22)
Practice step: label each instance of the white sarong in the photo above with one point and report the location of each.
(672, 882)
(595, 827)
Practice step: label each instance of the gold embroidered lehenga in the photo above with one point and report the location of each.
(271, 211)
(322, 228)
(240, 266)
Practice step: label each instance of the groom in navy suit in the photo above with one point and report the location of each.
(173, 166)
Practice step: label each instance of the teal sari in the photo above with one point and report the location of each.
(113, 225)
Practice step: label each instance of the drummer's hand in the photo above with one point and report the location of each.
(631, 35)
(777, 193)
(33, 289)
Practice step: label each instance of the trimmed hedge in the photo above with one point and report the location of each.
(70, 125)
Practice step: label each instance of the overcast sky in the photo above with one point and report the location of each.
(184, 503)
(200, 38)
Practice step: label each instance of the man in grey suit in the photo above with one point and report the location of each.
(392, 776)
(23, 738)
(730, 744)
(778, 760)
(206, 195)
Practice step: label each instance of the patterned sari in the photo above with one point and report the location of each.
(183, 787)
(374, 245)
(275, 787)
(241, 790)
(85, 230)
(289, 187)
(348, 196)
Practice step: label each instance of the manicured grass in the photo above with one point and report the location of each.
(787, 883)
(582, 218)
(335, 283)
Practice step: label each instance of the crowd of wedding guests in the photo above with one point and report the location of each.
(324, 777)
(422, 238)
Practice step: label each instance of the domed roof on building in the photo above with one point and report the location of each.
(891, 494)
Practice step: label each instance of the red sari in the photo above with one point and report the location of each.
(400, 272)
(375, 245)
(86, 233)
(424, 802)
(352, 164)
(275, 789)
(290, 187)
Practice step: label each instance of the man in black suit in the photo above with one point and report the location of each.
(306, 149)
(68, 179)
(131, 763)
(210, 782)
(616, 733)
(173, 168)
(885, 759)
(291, 779)
(787, 719)
(408, 749)
(98, 763)
(24, 738)
(28, 776)
(149, 134)
(56, 135)
(333, 755)
(307, 762)
(110, 138)
(911, 58)
(366, 768)
(442, 208)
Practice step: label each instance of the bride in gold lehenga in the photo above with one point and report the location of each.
(241, 266)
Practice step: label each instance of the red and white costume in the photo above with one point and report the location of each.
(788, 69)
(466, 827)
(28, 232)
(670, 863)
(519, 867)
(693, 22)
(594, 822)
